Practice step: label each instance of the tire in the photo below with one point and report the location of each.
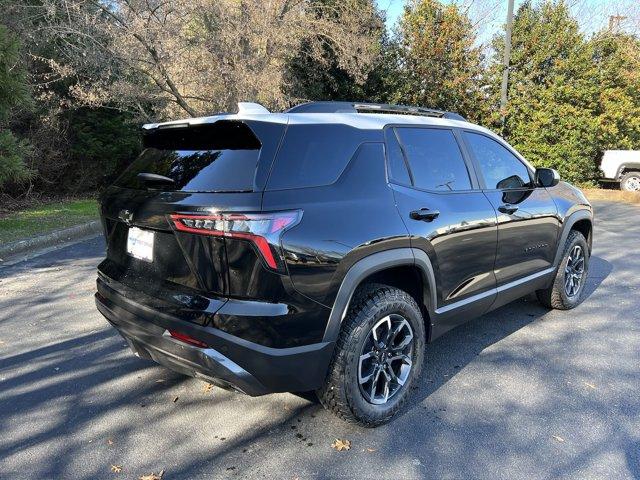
(564, 294)
(630, 182)
(385, 308)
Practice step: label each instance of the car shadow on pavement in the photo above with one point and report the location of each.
(445, 358)
(55, 392)
(453, 351)
(85, 250)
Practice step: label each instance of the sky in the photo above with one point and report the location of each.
(592, 14)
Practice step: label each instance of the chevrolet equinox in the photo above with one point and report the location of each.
(321, 248)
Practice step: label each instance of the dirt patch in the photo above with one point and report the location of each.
(612, 195)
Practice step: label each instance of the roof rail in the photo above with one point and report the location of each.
(359, 107)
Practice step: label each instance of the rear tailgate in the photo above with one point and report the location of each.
(200, 170)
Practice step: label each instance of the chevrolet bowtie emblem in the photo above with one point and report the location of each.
(126, 216)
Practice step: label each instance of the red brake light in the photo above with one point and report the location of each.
(262, 229)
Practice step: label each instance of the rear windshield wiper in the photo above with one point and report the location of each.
(151, 178)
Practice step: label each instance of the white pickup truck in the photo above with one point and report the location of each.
(622, 166)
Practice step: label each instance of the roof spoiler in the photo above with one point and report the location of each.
(244, 108)
(357, 107)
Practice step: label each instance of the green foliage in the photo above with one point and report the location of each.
(12, 154)
(617, 64)
(436, 62)
(570, 98)
(13, 85)
(553, 91)
(13, 92)
(103, 141)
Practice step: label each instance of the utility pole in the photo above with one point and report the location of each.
(505, 64)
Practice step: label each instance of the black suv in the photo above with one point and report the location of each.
(321, 248)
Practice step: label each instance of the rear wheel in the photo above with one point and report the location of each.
(630, 182)
(566, 291)
(378, 356)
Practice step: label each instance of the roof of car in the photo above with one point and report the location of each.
(334, 113)
(361, 120)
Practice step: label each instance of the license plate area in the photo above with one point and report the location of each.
(140, 244)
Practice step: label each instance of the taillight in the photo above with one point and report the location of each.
(262, 229)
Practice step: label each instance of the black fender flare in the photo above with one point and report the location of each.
(569, 222)
(371, 264)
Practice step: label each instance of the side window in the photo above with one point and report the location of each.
(313, 155)
(434, 158)
(500, 168)
(397, 166)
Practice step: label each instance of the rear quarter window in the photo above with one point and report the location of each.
(313, 155)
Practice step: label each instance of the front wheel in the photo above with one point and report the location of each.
(378, 356)
(566, 291)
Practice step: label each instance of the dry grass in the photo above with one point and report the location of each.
(612, 195)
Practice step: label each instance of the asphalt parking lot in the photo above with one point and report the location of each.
(521, 393)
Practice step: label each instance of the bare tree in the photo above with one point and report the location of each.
(195, 57)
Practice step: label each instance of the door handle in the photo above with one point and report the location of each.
(508, 209)
(424, 214)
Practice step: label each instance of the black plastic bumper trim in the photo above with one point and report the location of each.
(254, 369)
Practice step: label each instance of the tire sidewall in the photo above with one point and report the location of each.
(360, 406)
(626, 178)
(570, 302)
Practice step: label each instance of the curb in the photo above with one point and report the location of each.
(31, 245)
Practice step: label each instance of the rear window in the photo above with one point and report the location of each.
(313, 155)
(218, 157)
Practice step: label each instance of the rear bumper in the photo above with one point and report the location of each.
(229, 361)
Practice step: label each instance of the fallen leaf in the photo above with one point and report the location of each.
(590, 385)
(340, 445)
(159, 381)
(116, 468)
(152, 476)
(175, 399)
(207, 387)
(109, 441)
(371, 449)
(557, 438)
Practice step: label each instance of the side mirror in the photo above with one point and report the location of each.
(547, 177)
